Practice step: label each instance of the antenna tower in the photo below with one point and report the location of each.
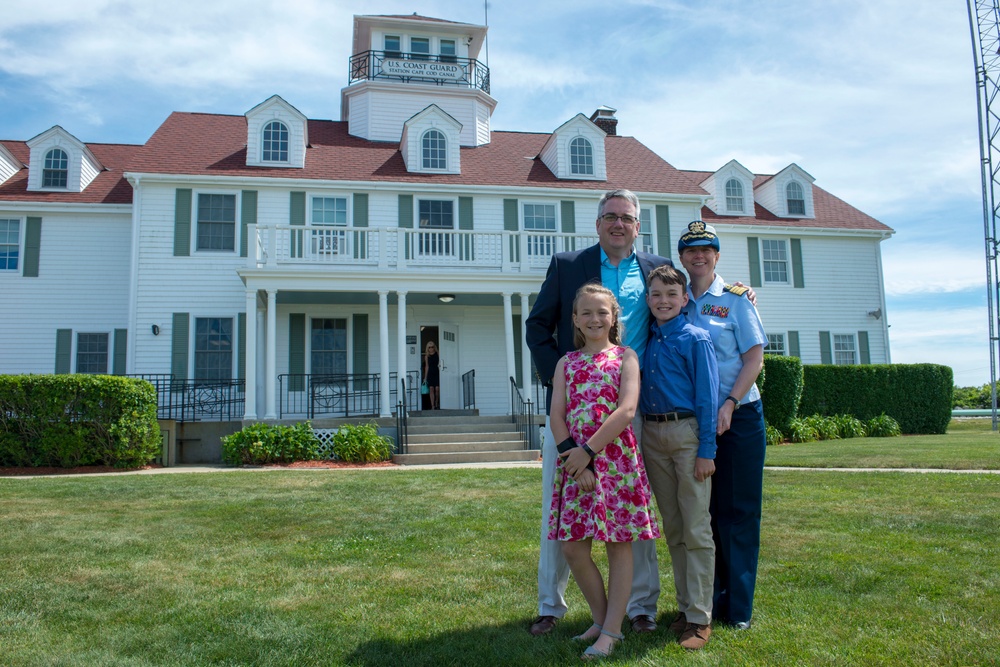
(984, 23)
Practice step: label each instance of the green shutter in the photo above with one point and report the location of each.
(121, 350)
(406, 211)
(182, 222)
(663, 245)
(248, 216)
(64, 348)
(825, 348)
(360, 209)
(296, 351)
(241, 350)
(465, 213)
(360, 340)
(793, 344)
(510, 223)
(568, 217)
(32, 247)
(180, 332)
(753, 253)
(866, 355)
(798, 278)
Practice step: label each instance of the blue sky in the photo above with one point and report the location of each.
(874, 98)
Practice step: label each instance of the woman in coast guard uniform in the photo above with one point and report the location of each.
(737, 486)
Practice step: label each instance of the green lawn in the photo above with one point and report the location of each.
(422, 567)
(968, 445)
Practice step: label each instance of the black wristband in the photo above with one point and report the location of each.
(590, 451)
(565, 445)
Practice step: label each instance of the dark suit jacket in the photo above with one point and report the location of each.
(549, 328)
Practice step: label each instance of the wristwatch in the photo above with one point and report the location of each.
(736, 403)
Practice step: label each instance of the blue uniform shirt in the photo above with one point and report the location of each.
(625, 282)
(681, 375)
(734, 325)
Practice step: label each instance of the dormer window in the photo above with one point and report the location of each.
(434, 149)
(581, 157)
(795, 198)
(420, 48)
(55, 173)
(392, 46)
(734, 196)
(275, 142)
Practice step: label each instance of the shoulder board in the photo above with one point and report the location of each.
(735, 289)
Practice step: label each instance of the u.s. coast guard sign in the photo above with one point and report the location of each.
(423, 68)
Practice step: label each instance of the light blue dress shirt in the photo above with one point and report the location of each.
(734, 325)
(626, 283)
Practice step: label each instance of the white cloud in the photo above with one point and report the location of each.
(954, 337)
(915, 268)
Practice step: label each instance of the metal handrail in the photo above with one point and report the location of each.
(402, 424)
(523, 414)
(442, 70)
(469, 390)
(198, 399)
(326, 394)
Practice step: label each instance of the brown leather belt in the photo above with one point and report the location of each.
(668, 417)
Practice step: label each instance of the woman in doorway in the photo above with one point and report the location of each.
(432, 374)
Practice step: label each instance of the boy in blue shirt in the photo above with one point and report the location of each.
(679, 400)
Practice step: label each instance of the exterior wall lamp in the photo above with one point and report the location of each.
(446, 298)
(156, 330)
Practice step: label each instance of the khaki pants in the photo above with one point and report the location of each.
(670, 450)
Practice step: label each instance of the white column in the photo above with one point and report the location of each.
(250, 345)
(525, 352)
(401, 341)
(271, 365)
(508, 334)
(261, 353)
(383, 351)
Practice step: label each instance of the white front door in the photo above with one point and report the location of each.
(451, 381)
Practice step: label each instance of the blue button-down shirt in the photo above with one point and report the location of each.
(626, 283)
(681, 375)
(735, 327)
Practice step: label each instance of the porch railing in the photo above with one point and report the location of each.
(410, 389)
(469, 390)
(197, 399)
(402, 422)
(443, 70)
(328, 395)
(326, 247)
(523, 414)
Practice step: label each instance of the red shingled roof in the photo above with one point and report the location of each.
(110, 186)
(830, 212)
(209, 144)
(414, 17)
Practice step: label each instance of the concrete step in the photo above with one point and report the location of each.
(462, 447)
(461, 428)
(495, 436)
(434, 419)
(466, 457)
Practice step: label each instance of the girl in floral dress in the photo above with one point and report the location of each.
(601, 490)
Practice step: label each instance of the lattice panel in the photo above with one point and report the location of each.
(325, 437)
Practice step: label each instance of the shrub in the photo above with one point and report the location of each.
(781, 389)
(972, 398)
(883, 426)
(262, 443)
(917, 396)
(773, 435)
(825, 427)
(361, 443)
(849, 426)
(77, 420)
(800, 430)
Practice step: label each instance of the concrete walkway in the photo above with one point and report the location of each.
(218, 467)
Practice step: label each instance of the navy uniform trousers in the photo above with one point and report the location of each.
(737, 495)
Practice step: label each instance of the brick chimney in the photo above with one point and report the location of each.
(604, 118)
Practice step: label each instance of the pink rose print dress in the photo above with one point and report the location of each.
(619, 509)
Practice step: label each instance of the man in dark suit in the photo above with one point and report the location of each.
(614, 263)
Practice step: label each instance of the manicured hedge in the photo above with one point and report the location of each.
(781, 389)
(918, 396)
(77, 420)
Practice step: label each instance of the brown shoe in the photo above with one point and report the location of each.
(643, 623)
(542, 625)
(679, 624)
(695, 636)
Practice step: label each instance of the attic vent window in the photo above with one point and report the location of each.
(434, 149)
(581, 157)
(734, 196)
(275, 144)
(795, 199)
(56, 170)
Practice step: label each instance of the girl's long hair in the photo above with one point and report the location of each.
(617, 330)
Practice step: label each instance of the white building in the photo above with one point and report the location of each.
(310, 261)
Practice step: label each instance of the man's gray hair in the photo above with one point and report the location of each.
(622, 193)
